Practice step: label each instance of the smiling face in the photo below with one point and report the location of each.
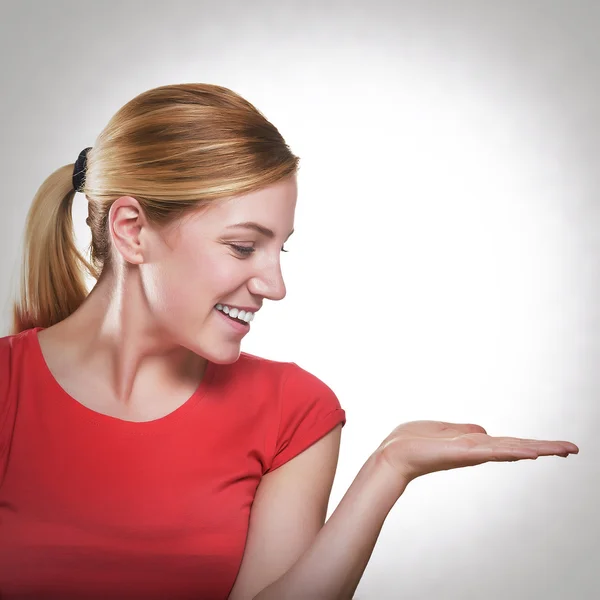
(228, 255)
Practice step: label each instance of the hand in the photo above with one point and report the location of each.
(422, 447)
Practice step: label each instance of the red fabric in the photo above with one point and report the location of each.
(95, 507)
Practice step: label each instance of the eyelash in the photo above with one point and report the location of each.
(248, 250)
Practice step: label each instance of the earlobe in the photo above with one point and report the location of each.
(127, 221)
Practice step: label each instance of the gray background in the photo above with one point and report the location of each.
(446, 259)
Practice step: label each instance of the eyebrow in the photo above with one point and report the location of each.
(256, 227)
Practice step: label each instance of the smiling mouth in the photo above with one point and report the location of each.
(240, 322)
(235, 314)
(236, 320)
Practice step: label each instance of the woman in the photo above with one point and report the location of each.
(142, 454)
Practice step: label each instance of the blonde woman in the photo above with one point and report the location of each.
(142, 454)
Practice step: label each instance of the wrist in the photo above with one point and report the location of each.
(386, 477)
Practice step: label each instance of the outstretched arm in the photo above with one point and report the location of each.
(332, 565)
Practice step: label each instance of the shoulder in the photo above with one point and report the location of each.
(308, 410)
(287, 380)
(15, 356)
(253, 373)
(301, 407)
(12, 353)
(253, 366)
(6, 344)
(285, 372)
(12, 349)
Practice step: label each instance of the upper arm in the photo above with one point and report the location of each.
(289, 509)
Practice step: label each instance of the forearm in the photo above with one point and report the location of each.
(334, 564)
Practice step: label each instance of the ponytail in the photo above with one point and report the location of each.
(52, 276)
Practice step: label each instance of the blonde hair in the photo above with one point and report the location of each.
(174, 148)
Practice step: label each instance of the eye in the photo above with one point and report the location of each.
(248, 250)
(243, 250)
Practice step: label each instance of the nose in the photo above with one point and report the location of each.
(268, 283)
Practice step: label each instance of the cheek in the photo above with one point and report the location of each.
(170, 286)
(190, 285)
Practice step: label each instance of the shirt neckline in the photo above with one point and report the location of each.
(98, 418)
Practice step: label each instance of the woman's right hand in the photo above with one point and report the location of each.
(421, 447)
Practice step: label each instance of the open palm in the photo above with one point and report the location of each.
(422, 447)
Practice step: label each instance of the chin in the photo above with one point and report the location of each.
(222, 358)
(220, 354)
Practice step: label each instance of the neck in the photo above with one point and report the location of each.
(115, 334)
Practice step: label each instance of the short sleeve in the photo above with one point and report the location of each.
(309, 410)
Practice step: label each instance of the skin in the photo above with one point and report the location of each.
(149, 324)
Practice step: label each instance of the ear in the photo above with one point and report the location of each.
(128, 227)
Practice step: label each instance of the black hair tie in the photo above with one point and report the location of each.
(79, 170)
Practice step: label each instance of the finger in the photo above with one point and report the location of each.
(566, 446)
(519, 451)
(572, 448)
(538, 449)
(545, 445)
(504, 454)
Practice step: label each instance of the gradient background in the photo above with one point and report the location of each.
(447, 249)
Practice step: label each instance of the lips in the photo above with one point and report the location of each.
(240, 321)
(240, 326)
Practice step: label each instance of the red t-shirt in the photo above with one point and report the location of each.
(95, 507)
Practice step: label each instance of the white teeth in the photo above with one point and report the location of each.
(236, 313)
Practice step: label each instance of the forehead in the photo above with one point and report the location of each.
(272, 207)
